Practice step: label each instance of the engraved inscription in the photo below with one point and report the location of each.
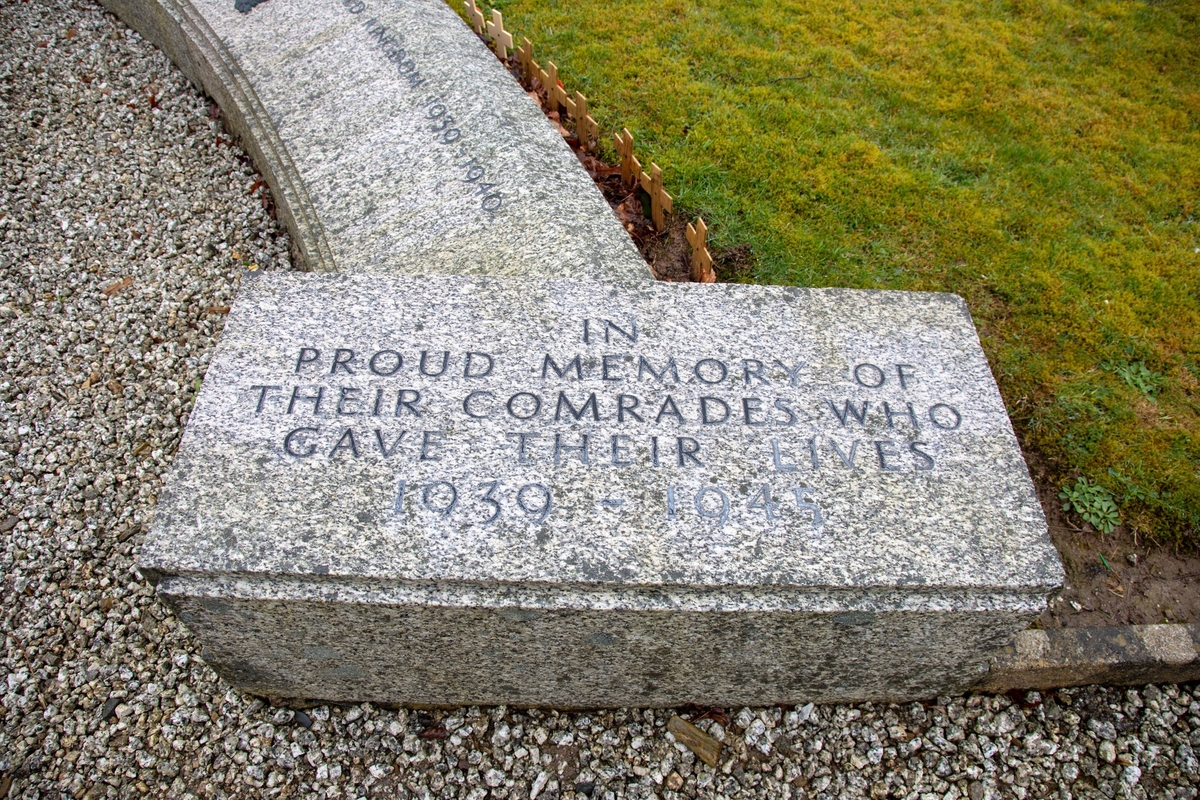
(619, 403)
(437, 119)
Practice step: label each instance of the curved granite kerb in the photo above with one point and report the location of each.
(393, 139)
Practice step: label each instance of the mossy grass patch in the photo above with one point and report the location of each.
(1040, 159)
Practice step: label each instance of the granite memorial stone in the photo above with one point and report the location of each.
(393, 140)
(455, 490)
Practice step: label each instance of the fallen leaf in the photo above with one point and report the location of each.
(218, 309)
(434, 732)
(717, 715)
(109, 709)
(706, 748)
(112, 289)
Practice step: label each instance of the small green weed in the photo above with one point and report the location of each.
(1132, 490)
(1092, 502)
(1136, 374)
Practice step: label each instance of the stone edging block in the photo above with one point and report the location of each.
(1121, 654)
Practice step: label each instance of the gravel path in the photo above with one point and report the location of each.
(126, 218)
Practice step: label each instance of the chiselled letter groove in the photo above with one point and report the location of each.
(342, 358)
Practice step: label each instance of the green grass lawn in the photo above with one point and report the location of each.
(1041, 159)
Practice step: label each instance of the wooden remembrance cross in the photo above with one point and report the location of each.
(501, 37)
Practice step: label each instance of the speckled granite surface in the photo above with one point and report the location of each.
(785, 494)
(392, 138)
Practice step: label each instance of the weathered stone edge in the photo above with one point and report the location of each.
(175, 27)
(1117, 655)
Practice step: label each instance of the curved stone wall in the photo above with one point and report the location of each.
(393, 139)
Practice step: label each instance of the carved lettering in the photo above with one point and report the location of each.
(441, 371)
(669, 409)
(523, 401)
(750, 407)
(848, 412)
(716, 371)
(785, 408)
(705, 404)
(848, 460)
(686, 449)
(626, 403)
(620, 451)
(777, 457)
(314, 399)
(308, 355)
(891, 415)
(753, 368)
(608, 363)
(885, 450)
(467, 403)
(645, 366)
(480, 371)
(522, 441)
(611, 327)
(349, 394)
(290, 442)
(262, 396)
(793, 373)
(548, 363)
(406, 400)
(384, 450)
(346, 442)
(869, 375)
(342, 358)
(946, 413)
(560, 448)
(379, 363)
(576, 414)
(927, 462)
(430, 440)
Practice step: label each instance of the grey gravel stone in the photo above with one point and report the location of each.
(80, 626)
